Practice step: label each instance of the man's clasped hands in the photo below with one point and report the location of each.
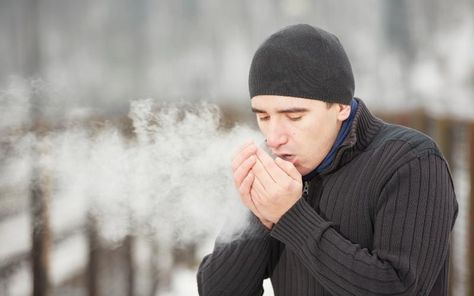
(269, 188)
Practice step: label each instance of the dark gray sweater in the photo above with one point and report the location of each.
(376, 222)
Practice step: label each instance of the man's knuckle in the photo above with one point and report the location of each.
(287, 186)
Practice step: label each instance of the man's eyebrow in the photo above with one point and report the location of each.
(290, 110)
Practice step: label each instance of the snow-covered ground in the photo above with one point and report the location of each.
(184, 284)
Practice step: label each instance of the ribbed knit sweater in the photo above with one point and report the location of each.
(376, 222)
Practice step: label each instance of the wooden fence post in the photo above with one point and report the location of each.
(94, 255)
(39, 198)
(443, 134)
(130, 264)
(39, 191)
(470, 224)
(420, 121)
(444, 138)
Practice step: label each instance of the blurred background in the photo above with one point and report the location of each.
(118, 120)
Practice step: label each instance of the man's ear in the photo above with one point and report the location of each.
(343, 112)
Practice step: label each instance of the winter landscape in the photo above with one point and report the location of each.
(118, 122)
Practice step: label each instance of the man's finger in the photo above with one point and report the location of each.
(246, 185)
(259, 203)
(258, 188)
(288, 168)
(243, 170)
(248, 201)
(271, 167)
(243, 154)
(262, 175)
(256, 198)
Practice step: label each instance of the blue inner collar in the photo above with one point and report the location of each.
(341, 136)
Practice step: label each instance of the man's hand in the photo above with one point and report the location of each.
(276, 187)
(242, 164)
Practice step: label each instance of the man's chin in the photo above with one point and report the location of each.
(302, 170)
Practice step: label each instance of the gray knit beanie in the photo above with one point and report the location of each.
(302, 61)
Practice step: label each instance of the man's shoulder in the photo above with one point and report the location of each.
(404, 140)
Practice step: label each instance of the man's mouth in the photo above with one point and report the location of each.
(287, 157)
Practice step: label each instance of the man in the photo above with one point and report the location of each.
(351, 205)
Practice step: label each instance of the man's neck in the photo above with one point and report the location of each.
(341, 136)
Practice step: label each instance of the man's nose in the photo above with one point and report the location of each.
(276, 135)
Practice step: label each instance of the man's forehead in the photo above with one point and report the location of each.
(280, 103)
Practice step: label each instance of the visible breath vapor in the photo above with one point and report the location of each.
(171, 179)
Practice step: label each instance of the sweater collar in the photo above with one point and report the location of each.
(341, 136)
(359, 131)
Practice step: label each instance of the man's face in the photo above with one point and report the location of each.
(298, 130)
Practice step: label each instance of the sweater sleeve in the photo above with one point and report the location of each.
(414, 216)
(238, 267)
